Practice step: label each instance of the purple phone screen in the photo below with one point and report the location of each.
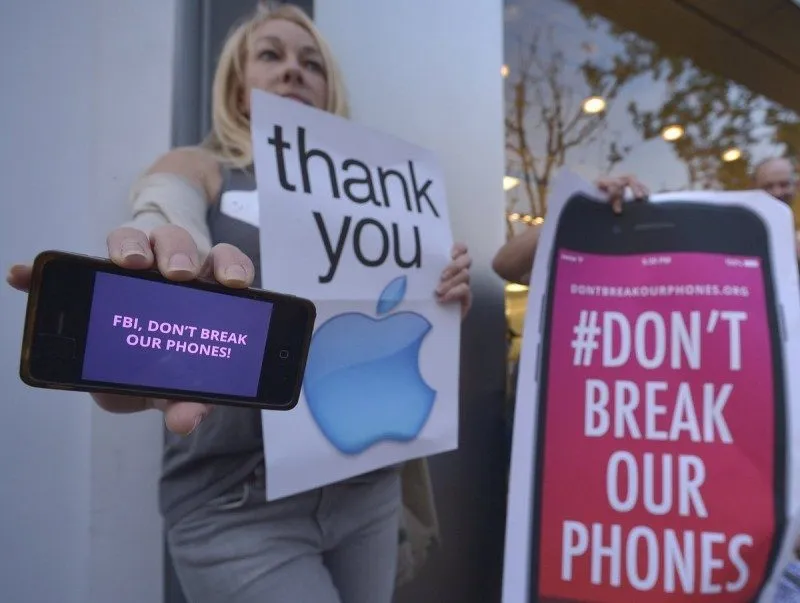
(159, 335)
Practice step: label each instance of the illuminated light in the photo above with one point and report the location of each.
(538, 220)
(594, 104)
(504, 71)
(731, 154)
(509, 182)
(513, 217)
(672, 133)
(527, 219)
(515, 288)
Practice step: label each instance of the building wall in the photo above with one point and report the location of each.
(86, 106)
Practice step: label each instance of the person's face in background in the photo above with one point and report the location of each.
(778, 178)
(283, 59)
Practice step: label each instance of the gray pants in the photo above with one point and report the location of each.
(337, 544)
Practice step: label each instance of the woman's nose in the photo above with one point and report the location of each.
(292, 71)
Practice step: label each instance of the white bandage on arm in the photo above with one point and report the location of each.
(165, 198)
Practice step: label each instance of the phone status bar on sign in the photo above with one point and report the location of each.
(666, 259)
(742, 262)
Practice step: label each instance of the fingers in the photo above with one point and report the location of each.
(618, 184)
(130, 248)
(461, 261)
(457, 271)
(612, 190)
(458, 249)
(183, 417)
(615, 189)
(19, 277)
(179, 417)
(459, 278)
(170, 247)
(639, 190)
(120, 404)
(454, 284)
(176, 253)
(454, 293)
(229, 266)
(461, 293)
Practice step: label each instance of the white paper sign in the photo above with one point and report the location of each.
(669, 466)
(358, 222)
(240, 205)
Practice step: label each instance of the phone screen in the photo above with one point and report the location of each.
(660, 405)
(158, 335)
(92, 326)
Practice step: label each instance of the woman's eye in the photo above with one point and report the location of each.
(268, 55)
(315, 66)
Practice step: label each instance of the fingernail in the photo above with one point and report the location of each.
(180, 262)
(236, 273)
(130, 249)
(197, 421)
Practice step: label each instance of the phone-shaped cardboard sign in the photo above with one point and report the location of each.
(654, 438)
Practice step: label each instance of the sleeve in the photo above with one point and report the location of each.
(165, 198)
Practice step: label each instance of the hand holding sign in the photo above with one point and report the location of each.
(454, 281)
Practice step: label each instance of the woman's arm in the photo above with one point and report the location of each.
(514, 261)
(177, 190)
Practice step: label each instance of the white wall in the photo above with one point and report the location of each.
(86, 106)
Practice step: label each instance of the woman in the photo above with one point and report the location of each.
(335, 544)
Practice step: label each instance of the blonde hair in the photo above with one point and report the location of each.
(229, 139)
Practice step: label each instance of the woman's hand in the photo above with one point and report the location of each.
(454, 282)
(615, 189)
(172, 251)
(19, 277)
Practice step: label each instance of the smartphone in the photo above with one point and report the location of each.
(639, 314)
(95, 327)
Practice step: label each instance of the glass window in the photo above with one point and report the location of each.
(687, 94)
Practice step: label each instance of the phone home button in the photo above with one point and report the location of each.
(283, 354)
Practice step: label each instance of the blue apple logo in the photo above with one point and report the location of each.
(362, 381)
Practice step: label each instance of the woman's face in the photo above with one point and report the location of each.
(284, 60)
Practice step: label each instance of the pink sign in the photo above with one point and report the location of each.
(658, 461)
